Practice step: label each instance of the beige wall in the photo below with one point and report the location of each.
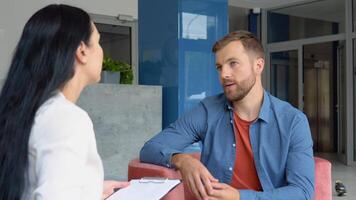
(15, 13)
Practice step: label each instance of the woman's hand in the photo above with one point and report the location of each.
(110, 185)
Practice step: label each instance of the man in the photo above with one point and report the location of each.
(255, 146)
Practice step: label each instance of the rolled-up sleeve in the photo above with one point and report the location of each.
(187, 130)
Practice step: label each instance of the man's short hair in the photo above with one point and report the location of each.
(248, 40)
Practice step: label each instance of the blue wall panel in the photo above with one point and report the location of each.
(158, 47)
(175, 41)
(201, 24)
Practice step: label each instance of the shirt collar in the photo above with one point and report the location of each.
(265, 108)
(228, 104)
(264, 111)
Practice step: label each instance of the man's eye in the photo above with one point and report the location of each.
(233, 63)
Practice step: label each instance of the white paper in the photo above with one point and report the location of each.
(147, 190)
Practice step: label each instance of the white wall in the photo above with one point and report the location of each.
(15, 13)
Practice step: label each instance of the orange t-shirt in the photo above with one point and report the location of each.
(244, 174)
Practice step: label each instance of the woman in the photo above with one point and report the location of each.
(47, 143)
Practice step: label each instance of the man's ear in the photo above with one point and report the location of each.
(260, 63)
(81, 54)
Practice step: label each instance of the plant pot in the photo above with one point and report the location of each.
(110, 77)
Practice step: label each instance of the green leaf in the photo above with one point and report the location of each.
(126, 73)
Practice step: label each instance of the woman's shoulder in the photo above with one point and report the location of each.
(59, 108)
(59, 118)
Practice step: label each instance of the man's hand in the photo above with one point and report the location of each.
(109, 187)
(195, 175)
(222, 191)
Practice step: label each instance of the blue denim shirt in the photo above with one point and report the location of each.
(280, 139)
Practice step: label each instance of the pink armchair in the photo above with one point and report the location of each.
(136, 169)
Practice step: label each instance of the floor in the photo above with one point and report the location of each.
(346, 174)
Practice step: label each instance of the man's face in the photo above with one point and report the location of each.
(236, 69)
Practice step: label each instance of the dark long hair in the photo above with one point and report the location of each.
(43, 62)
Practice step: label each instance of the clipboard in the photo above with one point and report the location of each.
(148, 188)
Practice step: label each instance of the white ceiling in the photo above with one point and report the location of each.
(262, 3)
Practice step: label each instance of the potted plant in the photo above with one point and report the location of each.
(115, 71)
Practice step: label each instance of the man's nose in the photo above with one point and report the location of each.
(225, 72)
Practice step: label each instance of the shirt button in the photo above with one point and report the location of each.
(230, 168)
(231, 121)
(167, 165)
(234, 145)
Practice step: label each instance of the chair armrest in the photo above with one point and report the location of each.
(323, 189)
(138, 170)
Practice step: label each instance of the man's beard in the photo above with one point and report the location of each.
(242, 89)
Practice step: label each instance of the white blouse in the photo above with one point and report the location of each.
(63, 160)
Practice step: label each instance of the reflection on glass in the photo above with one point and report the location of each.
(284, 76)
(196, 73)
(195, 26)
(307, 20)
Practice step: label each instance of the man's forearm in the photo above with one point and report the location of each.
(178, 159)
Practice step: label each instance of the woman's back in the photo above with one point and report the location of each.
(47, 143)
(63, 158)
